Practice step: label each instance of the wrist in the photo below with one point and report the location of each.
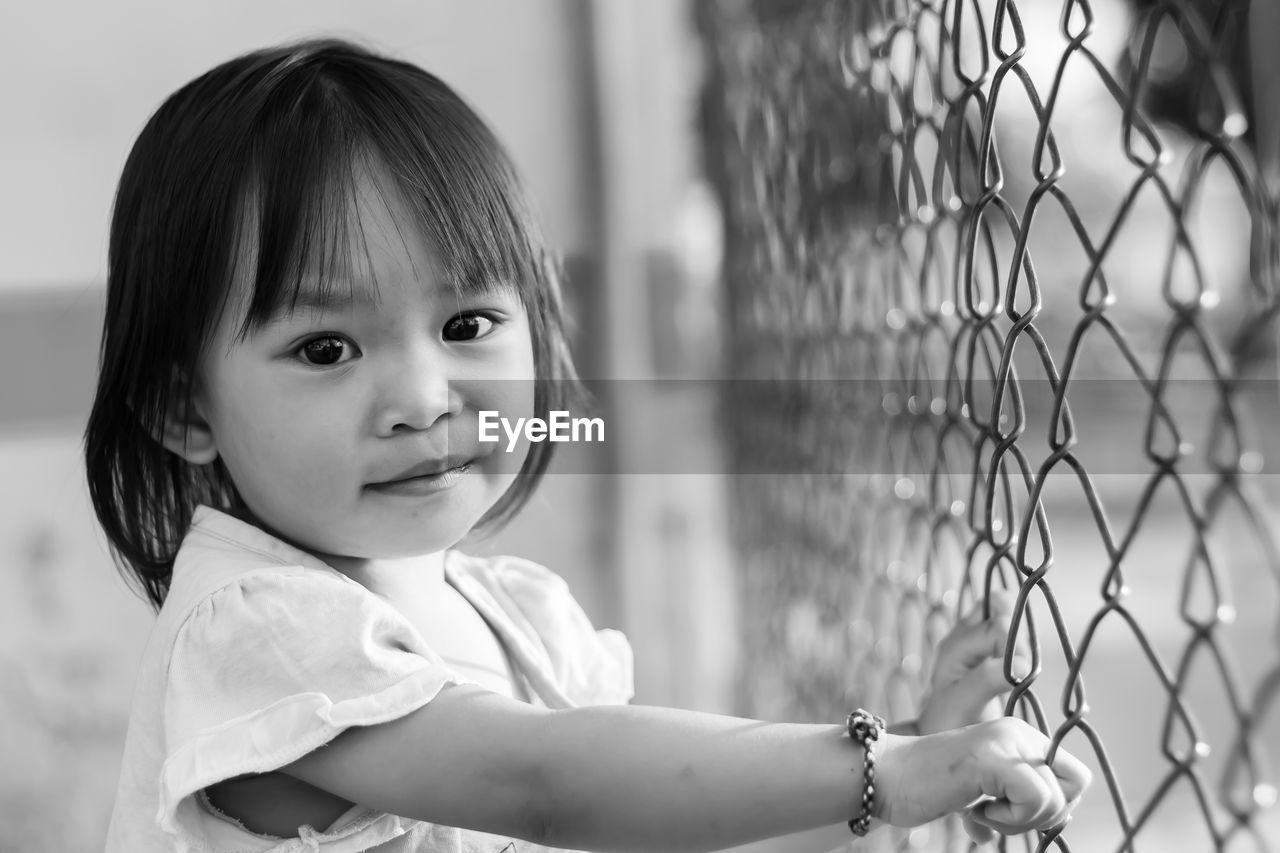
(890, 755)
(922, 778)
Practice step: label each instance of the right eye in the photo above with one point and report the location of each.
(327, 350)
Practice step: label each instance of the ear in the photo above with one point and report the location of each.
(185, 430)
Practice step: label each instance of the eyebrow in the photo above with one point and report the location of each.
(317, 301)
(310, 299)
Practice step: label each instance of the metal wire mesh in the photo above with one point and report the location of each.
(999, 288)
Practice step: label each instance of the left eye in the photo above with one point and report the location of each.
(467, 327)
(326, 351)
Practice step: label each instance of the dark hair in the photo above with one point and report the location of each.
(265, 147)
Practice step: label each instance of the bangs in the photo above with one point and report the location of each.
(448, 176)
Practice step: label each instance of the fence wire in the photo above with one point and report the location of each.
(1001, 277)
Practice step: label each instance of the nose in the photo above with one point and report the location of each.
(413, 396)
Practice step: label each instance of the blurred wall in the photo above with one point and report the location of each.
(81, 78)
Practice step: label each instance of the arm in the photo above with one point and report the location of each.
(640, 778)
(607, 777)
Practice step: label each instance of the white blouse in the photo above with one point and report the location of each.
(261, 653)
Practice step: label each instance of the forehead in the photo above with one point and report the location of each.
(339, 227)
(331, 255)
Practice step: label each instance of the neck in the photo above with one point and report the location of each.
(419, 573)
(424, 572)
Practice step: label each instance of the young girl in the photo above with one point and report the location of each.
(321, 272)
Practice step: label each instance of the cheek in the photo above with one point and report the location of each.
(512, 389)
(266, 441)
(513, 400)
(517, 360)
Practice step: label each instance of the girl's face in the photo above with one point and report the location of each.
(350, 427)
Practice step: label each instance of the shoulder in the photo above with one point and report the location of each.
(220, 551)
(516, 574)
(265, 659)
(250, 601)
(592, 666)
(525, 589)
(251, 617)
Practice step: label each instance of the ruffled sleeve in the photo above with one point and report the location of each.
(586, 666)
(274, 664)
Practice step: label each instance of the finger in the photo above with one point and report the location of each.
(971, 647)
(956, 653)
(1023, 645)
(975, 615)
(978, 831)
(1028, 800)
(981, 684)
(1072, 775)
(978, 819)
(981, 822)
(982, 816)
(1021, 665)
(1000, 603)
(1064, 804)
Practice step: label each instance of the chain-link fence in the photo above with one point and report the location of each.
(1000, 279)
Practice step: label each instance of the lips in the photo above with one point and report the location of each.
(429, 468)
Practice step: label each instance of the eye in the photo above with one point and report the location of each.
(468, 327)
(326, 351)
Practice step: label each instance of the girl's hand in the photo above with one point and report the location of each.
(995, 772)
(968, 673)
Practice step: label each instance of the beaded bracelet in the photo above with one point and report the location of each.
(865, 727)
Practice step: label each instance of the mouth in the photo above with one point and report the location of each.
(425, 478)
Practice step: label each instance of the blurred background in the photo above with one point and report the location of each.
(679, 211)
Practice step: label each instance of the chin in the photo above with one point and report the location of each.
(421, 541)
(387, 535)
